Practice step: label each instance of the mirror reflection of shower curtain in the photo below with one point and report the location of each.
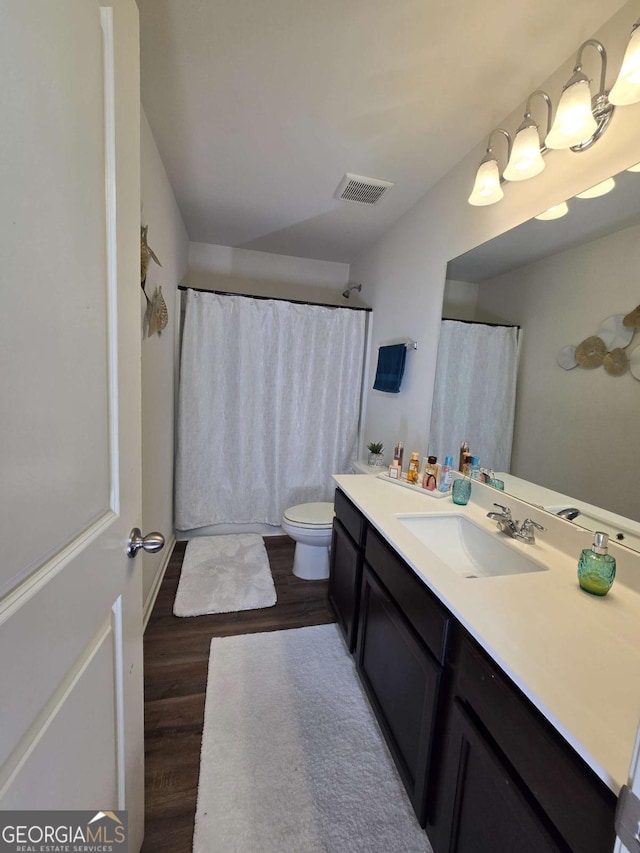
(475, 392)
(268, 409)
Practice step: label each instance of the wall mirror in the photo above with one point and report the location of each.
(575, 430)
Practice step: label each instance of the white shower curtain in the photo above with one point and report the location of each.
(475, 393)
(268, 408)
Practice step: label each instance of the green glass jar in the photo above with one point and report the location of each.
(596, 567)
(461, 491)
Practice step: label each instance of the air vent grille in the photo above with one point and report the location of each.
(359, 190)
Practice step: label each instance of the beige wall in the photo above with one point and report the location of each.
(575, 431)
(403, 274)
(459, 300)
(214, 267)
(168, 238)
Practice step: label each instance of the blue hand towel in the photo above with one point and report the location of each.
(390, 368)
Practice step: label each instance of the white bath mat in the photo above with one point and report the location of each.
(292, 759)
(224, 574)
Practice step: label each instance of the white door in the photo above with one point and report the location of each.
(628, 818)
(71, 731)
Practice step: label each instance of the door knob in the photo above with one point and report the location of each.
(152, 542)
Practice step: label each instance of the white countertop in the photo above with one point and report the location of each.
(575, 656)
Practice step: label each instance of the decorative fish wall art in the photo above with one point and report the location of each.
(156, 316)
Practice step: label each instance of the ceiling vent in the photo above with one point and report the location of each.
(358, 190)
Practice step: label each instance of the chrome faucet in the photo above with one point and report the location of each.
(527, 532)
(569, 512)
(506, 524)
(524, 532)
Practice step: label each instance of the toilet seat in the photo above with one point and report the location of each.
(317, 515)
(310, 526)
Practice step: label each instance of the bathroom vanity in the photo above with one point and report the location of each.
(509, 702)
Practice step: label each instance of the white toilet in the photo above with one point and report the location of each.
(310, 526)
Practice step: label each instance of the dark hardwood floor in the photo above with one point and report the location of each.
(176, 655)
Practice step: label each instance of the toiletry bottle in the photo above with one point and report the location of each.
(398, 454)
(596, 567)
(414, 468)
(464, 450)
(429, 478)
(394, 470)
(446, 475)
(474, 468)
(466, 464)
(423, 478)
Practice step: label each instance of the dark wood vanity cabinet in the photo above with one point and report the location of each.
(345, 575)
(482, 766)
(509, 781)
(483, 807)
(400, 652)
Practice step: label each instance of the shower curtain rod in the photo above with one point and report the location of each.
(481, 323)
(274, 298)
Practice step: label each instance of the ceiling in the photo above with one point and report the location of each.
(259, 108)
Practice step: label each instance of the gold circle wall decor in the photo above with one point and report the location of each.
(614, 332)
(616, 362)
(632, 319)
(591, 352)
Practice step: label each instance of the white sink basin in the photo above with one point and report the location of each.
(468, 549)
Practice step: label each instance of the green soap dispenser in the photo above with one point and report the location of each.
(596, 567)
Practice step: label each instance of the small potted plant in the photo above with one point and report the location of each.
(376, 453)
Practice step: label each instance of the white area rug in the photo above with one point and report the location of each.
(223, 574)
(292, 759)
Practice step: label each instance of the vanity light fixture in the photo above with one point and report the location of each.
(580, 120)
(486, 188)
(554, 212)
(626, 89)
(602, 188)
(526, 155)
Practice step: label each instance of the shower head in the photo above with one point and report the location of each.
(347, 291)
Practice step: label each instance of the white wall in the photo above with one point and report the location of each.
(168, 239)
(214, 267)
(459, 300)
(403, 274)
(575, 430)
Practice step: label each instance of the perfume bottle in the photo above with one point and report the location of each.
(398, 454)
(474, 468)
(430, 475)
(596, 567)
(414, 468)
(464, 452)
(446, 475)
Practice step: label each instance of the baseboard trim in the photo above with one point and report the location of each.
(155, 586)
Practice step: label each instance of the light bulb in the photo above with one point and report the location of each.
(574, 122)
(626, 89)
(526, 160)
(599, 189)
(554, 212)
(486, 189)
